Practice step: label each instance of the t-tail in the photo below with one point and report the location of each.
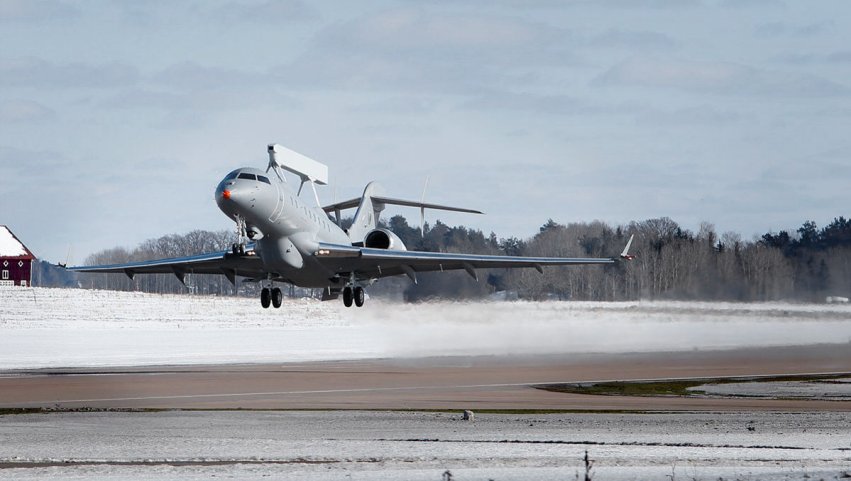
(369, 208)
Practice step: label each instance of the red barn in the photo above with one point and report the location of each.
(15, 260)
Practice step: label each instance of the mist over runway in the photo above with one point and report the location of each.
(50, 328)
(80, 348)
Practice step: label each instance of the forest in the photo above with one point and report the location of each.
(808, 264)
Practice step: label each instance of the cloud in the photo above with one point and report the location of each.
(751, 3)
(416, 29)
(633, 39)
(650, 4)
(269, 12)
(35, 10)
(202, 100)
(843, 56)
(703, 115)
(411, 50)
(31, 72)
(837, 57)
(780, 29)
(28, 164)
(542, 104)
(22, 110)
(720, 78)
(561, 4)
(191, 76)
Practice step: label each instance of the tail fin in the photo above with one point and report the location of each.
(366, 217)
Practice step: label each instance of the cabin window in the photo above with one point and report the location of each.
(248, 176)
(262, 178)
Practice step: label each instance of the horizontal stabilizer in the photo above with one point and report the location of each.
(346, 204)
(352, 203)
(422, 205)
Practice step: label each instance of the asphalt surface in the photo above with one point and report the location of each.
(492, 382)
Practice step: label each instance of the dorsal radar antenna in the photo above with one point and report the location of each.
(307, 169)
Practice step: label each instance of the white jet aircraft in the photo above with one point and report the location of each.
(280, 239)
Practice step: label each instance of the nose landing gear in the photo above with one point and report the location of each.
(273, 297)
(356, 295)
(238, 247)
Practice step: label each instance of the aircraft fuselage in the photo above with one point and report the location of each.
(291, 229)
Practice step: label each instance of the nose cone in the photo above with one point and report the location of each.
(232, 198)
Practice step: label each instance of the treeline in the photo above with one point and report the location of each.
(808, 264)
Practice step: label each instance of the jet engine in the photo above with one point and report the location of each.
(383, 239)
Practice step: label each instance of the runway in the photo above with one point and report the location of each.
(477, 383)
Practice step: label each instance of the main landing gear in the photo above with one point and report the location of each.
(356, 295)
(272, 296)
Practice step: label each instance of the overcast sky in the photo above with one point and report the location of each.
(117, 119)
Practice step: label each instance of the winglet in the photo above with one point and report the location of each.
(625, 254)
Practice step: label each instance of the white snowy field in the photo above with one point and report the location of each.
(422, 446)
(72, 327)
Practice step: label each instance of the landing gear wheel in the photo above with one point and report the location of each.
(265, 298)
(359, 296)
(347, 296)
(277, 297)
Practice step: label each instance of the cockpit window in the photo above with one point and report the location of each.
(248, 176)
(231, 176)
(262, 178)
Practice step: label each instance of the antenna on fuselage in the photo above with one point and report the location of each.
(308, 170)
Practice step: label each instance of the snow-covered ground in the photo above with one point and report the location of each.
(422, 446)
(73, 327)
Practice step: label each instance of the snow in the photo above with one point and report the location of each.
(421, 446)
(77, 327)
(9, 246)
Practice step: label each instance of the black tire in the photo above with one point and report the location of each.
(277, 298)
(347, 296)
(359, 296)
(265, 298)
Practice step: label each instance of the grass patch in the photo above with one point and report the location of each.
(622, 388)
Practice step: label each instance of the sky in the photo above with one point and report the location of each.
(118, 119)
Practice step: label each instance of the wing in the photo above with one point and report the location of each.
(222, 262)
(376, 263)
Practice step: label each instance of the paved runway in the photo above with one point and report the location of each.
(498, 382)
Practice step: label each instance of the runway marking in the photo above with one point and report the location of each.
(413, 388)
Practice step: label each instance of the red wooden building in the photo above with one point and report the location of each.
(15, 260)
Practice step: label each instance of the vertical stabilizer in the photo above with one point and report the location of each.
(366, 217)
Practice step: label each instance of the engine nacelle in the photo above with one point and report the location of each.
(383, 239)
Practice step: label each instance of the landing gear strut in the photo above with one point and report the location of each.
(238, 247)
(273, 297)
